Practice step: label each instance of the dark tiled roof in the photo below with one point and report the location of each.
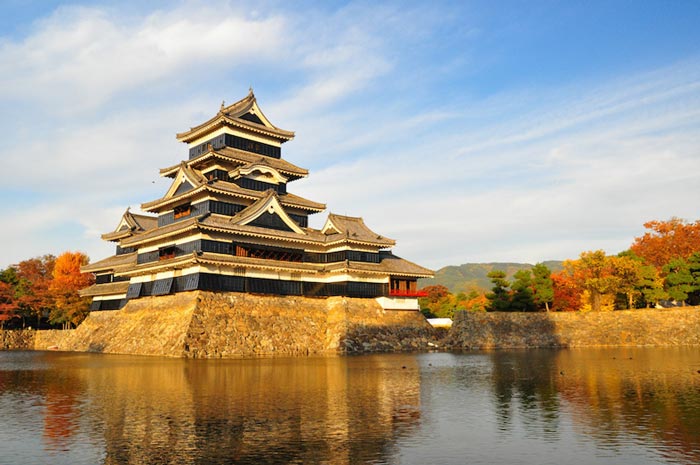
(231, 115)
(119, 287)
(110, 263)
(353, 228)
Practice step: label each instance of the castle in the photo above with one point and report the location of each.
(228, 224)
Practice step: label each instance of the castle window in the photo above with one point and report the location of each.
(182, 211)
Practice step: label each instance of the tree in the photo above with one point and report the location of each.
(650, 285)
(438, 303)
(69, 307)
(667, 240)
(566, 292)
(521, 299)
(627, 268)
(33, 288)
(542, 285)
(595, 274)
(499, 297)
(679, 282)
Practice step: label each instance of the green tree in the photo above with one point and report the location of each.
(679, 282)
(542, 285)
(499, 297)
(650, 285)
(522, 299)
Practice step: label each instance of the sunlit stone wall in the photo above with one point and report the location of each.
(644, 327)
(202, 324)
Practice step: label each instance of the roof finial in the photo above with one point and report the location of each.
(250, 90)
(223, 104)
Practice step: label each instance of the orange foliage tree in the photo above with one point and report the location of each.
(667, 240)
(69, 307)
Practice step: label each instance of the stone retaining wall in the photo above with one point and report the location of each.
(202, 324)
(21, 339)
(648, 327)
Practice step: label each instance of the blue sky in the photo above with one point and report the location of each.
(468, 131)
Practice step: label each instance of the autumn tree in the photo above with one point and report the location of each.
(595, 273)
(627, 269)
(438, 303)
(69, 308)
(667, 240)
(543, 291)
(33, 288)
(566, 292)
(499, 297)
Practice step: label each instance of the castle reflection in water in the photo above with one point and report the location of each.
(636, 405)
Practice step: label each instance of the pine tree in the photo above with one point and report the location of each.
(499, 297)
(543, 285)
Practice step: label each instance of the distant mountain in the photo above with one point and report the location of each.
(472, 276)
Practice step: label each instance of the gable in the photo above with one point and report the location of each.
(267, 213)
(183, 187)
(253, 118)
(271, 220)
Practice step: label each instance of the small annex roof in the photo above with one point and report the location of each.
(240, 158)
(244, 114)
(388, 264)
(110, 263)
(119, 287)
(354, 229)
(130, 224)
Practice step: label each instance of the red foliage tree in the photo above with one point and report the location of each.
(667, 240)
(8, 303)
(567, 292)
(33, 290)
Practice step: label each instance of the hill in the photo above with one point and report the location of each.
(472, 276)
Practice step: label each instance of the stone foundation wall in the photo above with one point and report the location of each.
(17, 339)
(664, 327)
(202, 324)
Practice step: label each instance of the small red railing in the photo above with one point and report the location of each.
(407, 293)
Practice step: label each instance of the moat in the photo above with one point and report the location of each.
(577, 406)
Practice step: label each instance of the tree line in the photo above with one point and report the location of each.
(43, 291)
(660, 267)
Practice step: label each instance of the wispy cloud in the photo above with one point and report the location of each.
(517, 174)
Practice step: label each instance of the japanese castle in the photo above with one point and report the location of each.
(228, 224)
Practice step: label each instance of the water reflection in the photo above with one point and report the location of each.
(623, 406)
(651, 394)
(313, 410)
(526, 381)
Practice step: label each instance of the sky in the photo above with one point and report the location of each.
(468, 131)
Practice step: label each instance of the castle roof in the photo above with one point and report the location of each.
(308, 236)
(119, 287)
(353, 228)
(244, 114)
(130, 224)
(241, 158)
(389, 264)
(216, 186)
(110, 263)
